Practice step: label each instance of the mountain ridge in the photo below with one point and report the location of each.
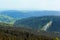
(22, 14)
(39, 22)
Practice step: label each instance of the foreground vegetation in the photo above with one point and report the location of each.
(9, 32)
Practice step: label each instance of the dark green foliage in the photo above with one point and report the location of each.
(39, 22)
(33, 22)
(9, 32)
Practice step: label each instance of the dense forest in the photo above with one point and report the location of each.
(39, 22)
(9, 32)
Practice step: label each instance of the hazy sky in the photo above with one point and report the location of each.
(30, 4)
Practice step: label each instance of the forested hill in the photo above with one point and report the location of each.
(40, 22)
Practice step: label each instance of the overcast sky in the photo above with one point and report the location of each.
(30, 4)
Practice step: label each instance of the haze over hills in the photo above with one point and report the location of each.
(34, 19)
(22, 14)
(13, 13)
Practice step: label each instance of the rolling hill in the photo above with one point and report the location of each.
(6, 19)
(13, 13)
(21, 14)
(32, 19)
(50, 23)
(33, 25)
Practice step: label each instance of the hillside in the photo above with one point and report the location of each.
(13, 13)
(31, 25)
(24, 14)
(6, 19)
(40, 22)
(7, 32)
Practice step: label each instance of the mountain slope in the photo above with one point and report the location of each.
(13, 13)
(40, 22)
(22, 14)
(6, 19)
